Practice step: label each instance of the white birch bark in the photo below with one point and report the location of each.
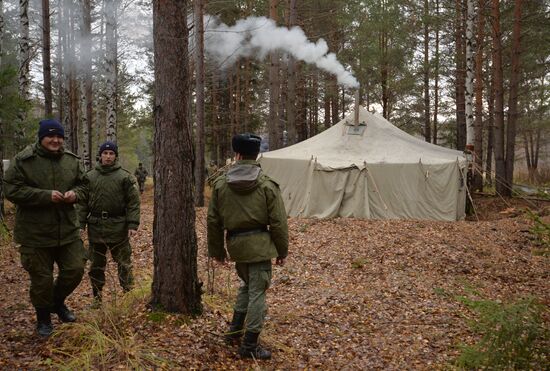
(24, 49)
(469, 86)
(111, 68)
(200, 139)
(64, 22)
(86, 82)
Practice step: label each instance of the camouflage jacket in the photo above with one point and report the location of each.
(110, 204)
(248, 205)
(29, 182)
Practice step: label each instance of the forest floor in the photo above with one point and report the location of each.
(354, 294)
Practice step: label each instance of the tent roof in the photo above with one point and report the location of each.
(380, 142)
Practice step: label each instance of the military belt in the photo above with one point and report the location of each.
(106, 214)
(245, 232)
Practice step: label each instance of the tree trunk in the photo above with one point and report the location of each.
(513, 96)
(73, 84)
(59, 59)
(274, 89)
(426, 70)
(334, 100)
(176, 287)
(384, 73)
(24, 69)
(46, 58)
(86, 106)
(216, 155)
(436, 74)
(477, 182)
(469, 82)
(327, 102)
(200, 164)
(460, 77)
(111, 68)
(500, 166)
(314, 105)
(490, 128)
(1, 123)
(291, 103)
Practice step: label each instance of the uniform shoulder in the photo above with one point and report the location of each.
(218, 181)
(126, 171)
(266, 180)
(26, 153)
(72, 154)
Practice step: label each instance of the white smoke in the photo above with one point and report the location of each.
(258, 36)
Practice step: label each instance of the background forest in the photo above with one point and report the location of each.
(431, 67)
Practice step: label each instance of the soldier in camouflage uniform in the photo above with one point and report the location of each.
(247, 204)
(141, 176)
(110, 209)
(43, 182)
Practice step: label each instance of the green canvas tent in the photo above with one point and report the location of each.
(369, 170)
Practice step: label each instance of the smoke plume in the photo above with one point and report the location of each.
(258, 36)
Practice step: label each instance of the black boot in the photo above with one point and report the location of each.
(235, 332)
(250, 348)
(44, 322)
(64, 313)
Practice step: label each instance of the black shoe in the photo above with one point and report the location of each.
(44, 323)
(233, 336)
(250, 348)
(64, 313)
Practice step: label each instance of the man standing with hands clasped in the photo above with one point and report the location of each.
(110, 208)
(43, 181)
(247, 204)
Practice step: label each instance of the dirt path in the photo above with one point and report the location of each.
(354, 294)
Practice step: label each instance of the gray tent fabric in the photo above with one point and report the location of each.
(373, 170)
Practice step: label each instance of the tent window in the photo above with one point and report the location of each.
(356, 130)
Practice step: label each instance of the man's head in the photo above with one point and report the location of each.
(140, 165)
(51, 135)
(247, 145)
(108, 152)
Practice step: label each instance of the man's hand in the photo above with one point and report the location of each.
(132, 233)
(280, 261)
(57, 197)
(69, 197)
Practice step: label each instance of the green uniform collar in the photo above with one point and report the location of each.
(105, 169)
(41, 151)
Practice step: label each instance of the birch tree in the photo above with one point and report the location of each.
(460, 78)
(199, 73)
(477, 181)
(86, 104)
(46, 58)
(111, 68)
(500, 166)
(427, 124)
(24, 63)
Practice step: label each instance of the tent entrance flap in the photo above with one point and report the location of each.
(338, 193)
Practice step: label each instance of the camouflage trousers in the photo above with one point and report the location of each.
(45, 291)
(251, 296)
(122, 255)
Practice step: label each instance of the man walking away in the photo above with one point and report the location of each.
(110, 209)
(44, 181)
(141, 176)
(247, 204)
